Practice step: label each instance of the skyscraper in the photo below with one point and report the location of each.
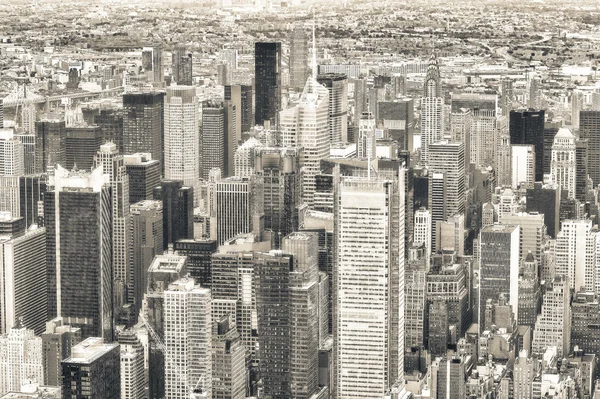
(110, 121)
(20, 359)
(31, 193)
(415, 288)
(182, 66)
(337, 85)
(188, 339)
(228, 361)
(562, 168)
(143, 124)
(527, 127)
(177, 210)
(529, 291)
(553, 325)
(213, 139)
(92, 371)
(12, 159)
(78, 212)
(545, 200)
(241, 95)
(432, 109)
(368, 257)
(422, 231)
(144, 176)
(267, 81)
(81, 145)
(182, 155)
(132, 365)
(589, 128)
(299, 70)
(398, 117)
(576, 254)
(233, 96)
(198, 252)
(152, 63)
(448, 158)
(522, 166)
(57, 343)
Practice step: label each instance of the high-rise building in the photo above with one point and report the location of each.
(523, 375)
(499, 266)
(110, 121)
(545, 199)
(437, 199)
(233, 96)
(589, 128)
(77, 212)
(522, 166)
(20, 359)
(152, 63)
(299, 70)
(228, 361)
(49, 143)
(450, 382)
(31, 197)
(199, 254)
(267, 81)
(422, 231)
(182, 155)
(143, 124)
(92, 371)
(415, 309)
(9, 195)
(241, 96)
(530, 297)
(81, 145)
(527, 127)
(213, 139)
(12, 159)
(461, 122)
(581, 171)
(23, 297)
(337, 85)
(504, 161)
(366, 143)
(279, 169)
(576, 254)
(306, 126)
(562, 168)
(585, 310)
(368, 329)
(144, 176)
(112, 164)
(11, 227)
(28, 141)
(398, 118)
(244, 157)
(146, 242)
(182, 66)
(132, 366)
(550, 130)
(432, 109)
(57, 343)
(188, 339)
(553, 325)
(532, 233)
(177, 209)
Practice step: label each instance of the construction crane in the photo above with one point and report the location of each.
(195, 392)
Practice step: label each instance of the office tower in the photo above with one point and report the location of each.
(527, 127)
(177, 210)
(188, 339)
(182, 66)
(437, 199)
(12, 159)
(577, 104)
(504, 161)
(415, 287)
(422, 231)
(228, 361)
(499, 266)
(368, 329)
(279, 169)
(337, 85)
(398, 118)
(20, 359)
(529, 291)
(9, 195)
(144, 176)
(523, 375)
(81, 144)
(461, 122)
(143, 124)
(152, 62)
(553, 325)
(1, 114)
(182, 155)
(110, 121)
(450, 382)
(146, 242)
(199, 254)
(307, 126)
(244, 157)
(274, 322)
(522, 166)
(213, 139)
(23, 297)
(132, 365)
(267, 81)
(11, 227)
(31, 193)
(49, 143)
(164, 270)
(112, 164)
(585, 317)
(562, 168)
(545, 199)
(77, 212)
(532, 233)
(534, 95)
(303, 312)
(589, 128)
(432, 109)
(92, 370)
(28, 141)
(233, 96)
(550, 130)
(223, 74)
(299, 70)
(241, 95)
(366, 143)
(448, 304)
(57, 342)
(451, 235)
(581, 171)
(576, 254)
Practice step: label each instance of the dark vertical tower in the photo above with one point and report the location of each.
(178, 210)
(82, 144)
(545, 200)
(199, 253)
(182, 66)
(144, 176)
(581, 168)
(213, 139)
(31, 193)
(50, 136)
(267, 81)
(527, 127)
(589, 128)
(111, 124)
(143, 124)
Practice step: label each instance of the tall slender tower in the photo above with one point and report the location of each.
(299, 71)
(182, 66)
(432, 109)
(368, 258)
(267, 81)
(143, 124)
(562, 168)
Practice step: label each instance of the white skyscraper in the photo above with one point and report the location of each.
(576, 254)
(553, 325)
(432, 109)
(113, 165)
(182, 154)
(188, 339)
(422, 231)
(523, 165)
(366, 144)
(368, 282)
(20, 359)
(562, 167)
(11, 154)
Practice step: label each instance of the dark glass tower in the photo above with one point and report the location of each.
(214, 139)
(589, 128)
(178, 210)
(267, 81)
(50, 136)
(143, 124)
(182, 66)
(111, 123)
(31, 191)
(82, 144)
(527, 127)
